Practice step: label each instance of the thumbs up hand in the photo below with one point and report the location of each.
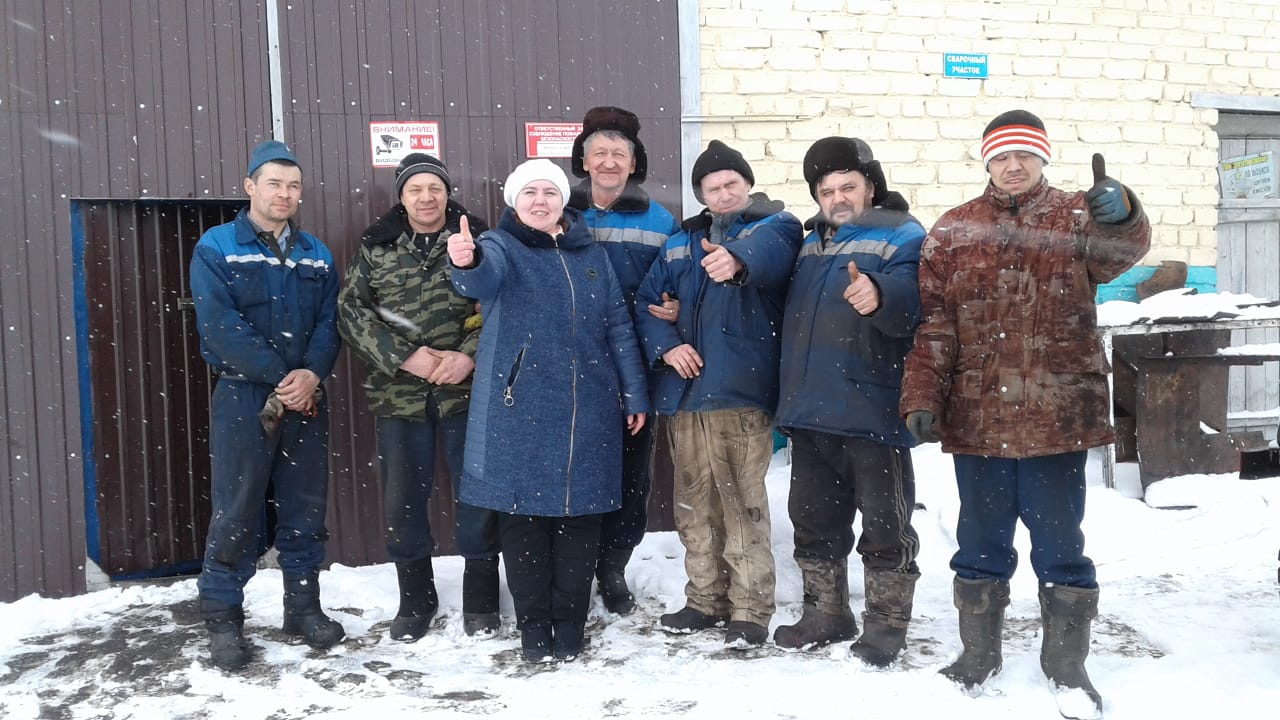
(462, 247)
(862, 293)
(1108, 201)
(720, 264)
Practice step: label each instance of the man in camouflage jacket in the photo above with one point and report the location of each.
(1007, 370)
(399, 313)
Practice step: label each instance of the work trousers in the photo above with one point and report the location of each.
(835, 476)
(407, 457)
(624, 528)
(1047, 493)
(722, 510)
(246, 462)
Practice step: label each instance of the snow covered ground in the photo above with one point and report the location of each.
(1189, 628)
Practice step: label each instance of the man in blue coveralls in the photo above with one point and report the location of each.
(265, 298)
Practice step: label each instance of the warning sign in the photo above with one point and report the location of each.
(389, 142)
(1249, 176)
(550, 140)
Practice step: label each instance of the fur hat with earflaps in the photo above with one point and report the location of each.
(608, 117)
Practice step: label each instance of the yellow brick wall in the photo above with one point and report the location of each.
(1109, 76)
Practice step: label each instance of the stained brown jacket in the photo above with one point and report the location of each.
(1007, 356)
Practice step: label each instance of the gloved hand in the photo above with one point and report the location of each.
(1108, 201)
(273, 410)
(271, 413)
(921, 424)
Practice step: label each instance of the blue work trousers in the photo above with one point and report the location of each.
(407, 457)
(292, 464)
(624, 528)
(1046, 493)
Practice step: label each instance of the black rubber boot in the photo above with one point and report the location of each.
(480, 587)
(535, 642)
(568, 640)
(890, 597)
(981, 605)
(611, 579)
(418, 600)
(228, 649)
(826, 618)
(1067, 614)
(303, 616)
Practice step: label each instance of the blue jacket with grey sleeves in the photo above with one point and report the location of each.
(734, 326)
(842, 372)
(557, 371)
(632, 230)
(260, 318)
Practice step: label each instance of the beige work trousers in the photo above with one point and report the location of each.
(720, 458)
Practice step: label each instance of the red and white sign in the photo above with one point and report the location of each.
(550, 140)
(389, 142)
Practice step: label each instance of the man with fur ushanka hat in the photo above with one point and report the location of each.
(631, 227)
(1008, 372)
(850, 315)
(417, 337)
(716, 378)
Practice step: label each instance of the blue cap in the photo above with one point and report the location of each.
(270, 151)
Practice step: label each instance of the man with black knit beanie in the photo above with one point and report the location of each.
(1007, 371)
(417, 337)
(716, 380)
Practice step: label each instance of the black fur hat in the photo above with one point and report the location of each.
(607, 117)
(842, 154)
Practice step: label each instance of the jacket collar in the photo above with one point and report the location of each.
(759, 208)
(876, 217)
(1013, 203)
(575, 236)
(395, 224)
(632, 200)
(246, 234)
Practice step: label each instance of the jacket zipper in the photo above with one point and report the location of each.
(507, 398)
(573, 368)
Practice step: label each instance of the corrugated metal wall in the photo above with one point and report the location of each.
(152, 99)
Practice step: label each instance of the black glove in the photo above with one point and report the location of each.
(921, 424)
(1108, 200)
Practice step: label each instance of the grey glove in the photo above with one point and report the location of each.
(921, 424)
(271, 413)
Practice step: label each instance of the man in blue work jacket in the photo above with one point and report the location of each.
(265, 297)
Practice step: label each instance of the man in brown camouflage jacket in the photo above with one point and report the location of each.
(1007, 370)
(399, 313)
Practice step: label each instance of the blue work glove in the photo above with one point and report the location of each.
(1108, 201)
(921, 424)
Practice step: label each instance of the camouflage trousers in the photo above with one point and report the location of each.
(722, 510)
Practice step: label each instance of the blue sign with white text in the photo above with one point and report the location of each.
(969, 65)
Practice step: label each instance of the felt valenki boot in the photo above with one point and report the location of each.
(981, 605)
(1067, 614)
(889, 600)
(826, 618)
